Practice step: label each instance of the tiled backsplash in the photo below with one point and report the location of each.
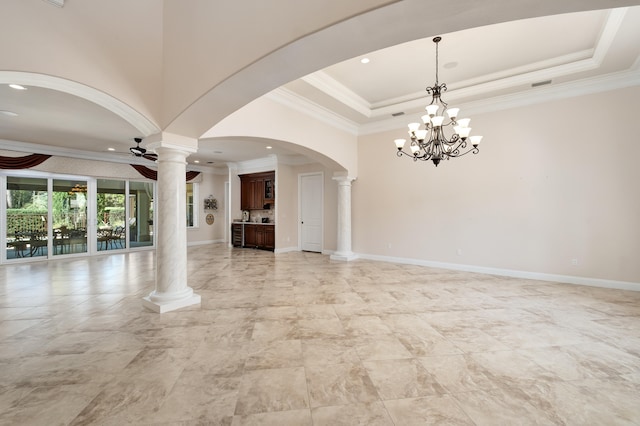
(257, 215)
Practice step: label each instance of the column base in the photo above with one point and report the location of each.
(170, 305)
(344, 256)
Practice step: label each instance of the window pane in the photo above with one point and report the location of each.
(141, 216)
(190, 204)
(69, 216)
(27, 212)
(111, 221)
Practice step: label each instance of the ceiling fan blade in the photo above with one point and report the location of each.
(152, 157)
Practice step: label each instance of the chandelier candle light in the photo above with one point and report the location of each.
(431, 143)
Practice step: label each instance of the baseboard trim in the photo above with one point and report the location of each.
(568, 279)
(204, 243)
(285, 250)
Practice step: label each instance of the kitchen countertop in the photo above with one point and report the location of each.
(252, 223)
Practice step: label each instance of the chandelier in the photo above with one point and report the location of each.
(431, 143)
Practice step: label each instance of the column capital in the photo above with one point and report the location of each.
(172, 141)
(343, 179)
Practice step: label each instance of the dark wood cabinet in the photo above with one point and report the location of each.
(269, 237)
(269, 190)
(259, 236)
(257, 191)
(246, 194)
(250, 236)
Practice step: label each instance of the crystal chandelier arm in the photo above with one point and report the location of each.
(432, 143)
(473, 150)
(402, 152)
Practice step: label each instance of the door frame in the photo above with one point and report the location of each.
(300, 177)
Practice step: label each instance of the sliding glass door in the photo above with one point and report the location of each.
(47, 216)
(27, 210)
(111, 220)
(141, 213)
(69, 215)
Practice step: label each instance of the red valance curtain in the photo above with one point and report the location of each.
(25, 162)
(152, 174)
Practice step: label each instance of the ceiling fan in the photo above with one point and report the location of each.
(139, 151)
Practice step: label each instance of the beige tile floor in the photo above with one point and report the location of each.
(297, 339)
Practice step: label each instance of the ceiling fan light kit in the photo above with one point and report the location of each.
(137, 150)
(431, 143)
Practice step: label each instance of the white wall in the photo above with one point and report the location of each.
(287, 207)
(266, 118)
(553, 182)
(210, 184)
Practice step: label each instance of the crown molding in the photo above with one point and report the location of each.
(322, 81)
(257, 165)
(505, 79)
(299, 103)
(609, 30)
(574, 63)
(543, 94)
(525, 79)
(549, 69)
(532, 96)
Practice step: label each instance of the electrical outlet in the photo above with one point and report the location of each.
(574, 262)
(459, 251)
(388, 245)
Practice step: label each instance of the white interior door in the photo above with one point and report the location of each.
(311, 212)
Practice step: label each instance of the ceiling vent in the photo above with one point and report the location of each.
(397, 114)
(541, 83)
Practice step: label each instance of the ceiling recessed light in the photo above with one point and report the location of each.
(209, 162)
(196, 161)
(269, 147)
(9, 113)
(217, 152)
(365, 60)
(450, 65)
(111, 149)
(17, 87)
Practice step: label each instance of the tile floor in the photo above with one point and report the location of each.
(297, 339)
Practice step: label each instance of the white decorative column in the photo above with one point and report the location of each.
(233, 205)
(172, 291)
(343, 251)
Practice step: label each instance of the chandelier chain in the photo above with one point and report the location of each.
(437, 66)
